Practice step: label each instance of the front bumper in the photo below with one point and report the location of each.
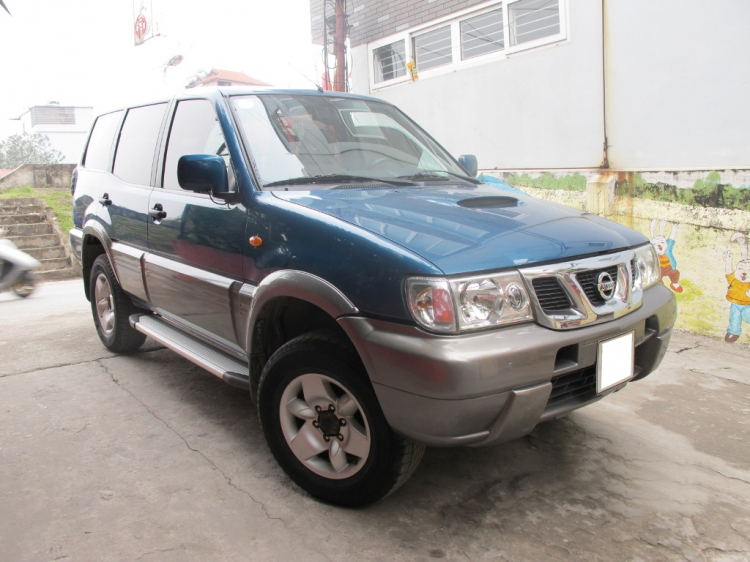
(494, 386)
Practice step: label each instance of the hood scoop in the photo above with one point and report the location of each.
(498, 202)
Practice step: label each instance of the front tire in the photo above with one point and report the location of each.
(111, 308)
(324, 426)
(25, 285)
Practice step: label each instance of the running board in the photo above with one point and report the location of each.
(227, 368)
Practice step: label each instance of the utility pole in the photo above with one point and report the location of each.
(339, 83)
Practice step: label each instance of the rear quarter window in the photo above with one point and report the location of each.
(100, 141)
(135, 150)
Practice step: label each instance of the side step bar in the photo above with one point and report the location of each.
(230, 370)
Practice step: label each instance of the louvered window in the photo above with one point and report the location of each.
(530, 20)
(482, 34)
(41, 115)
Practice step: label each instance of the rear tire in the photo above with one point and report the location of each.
(324, 425)
(111, 308)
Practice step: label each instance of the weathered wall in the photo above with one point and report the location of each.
(708, 224)
(39, 175)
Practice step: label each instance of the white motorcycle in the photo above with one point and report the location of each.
(16, 269)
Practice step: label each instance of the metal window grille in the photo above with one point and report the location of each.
(52, 116)
(389, 61)
(433, 48)
(482, 34)
(529, 20)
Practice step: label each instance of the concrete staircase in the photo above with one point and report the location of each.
(26, 224)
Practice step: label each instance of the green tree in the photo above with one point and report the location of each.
(18, 150)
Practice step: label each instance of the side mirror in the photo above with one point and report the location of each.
(204, 173)
(469, 164)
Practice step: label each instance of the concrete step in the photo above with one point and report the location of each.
(35, 241)
(54, 263)
(26, 229)
(18, 201)
(21, 209)
(29, 218)
(57, 274)
(46, 253)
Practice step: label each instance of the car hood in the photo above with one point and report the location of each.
(472, 228)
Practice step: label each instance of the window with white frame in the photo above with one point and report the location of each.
(533, 19)
(472, 36)
(482, 34)
(433, 48)
(389, 61)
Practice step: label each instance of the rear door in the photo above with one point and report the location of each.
(124, 206)
(194, 267)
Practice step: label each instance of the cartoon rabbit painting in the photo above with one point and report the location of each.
(738, 292)
(665, 249)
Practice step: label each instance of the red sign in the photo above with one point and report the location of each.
(141, 26)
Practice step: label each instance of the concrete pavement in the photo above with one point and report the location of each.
(148, 457)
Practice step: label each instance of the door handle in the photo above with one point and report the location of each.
(105, 200)
(157, 213)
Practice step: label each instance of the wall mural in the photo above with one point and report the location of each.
(738, 292)
(665, 249)
(698, 223)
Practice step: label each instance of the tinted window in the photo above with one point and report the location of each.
(100, 143)
(135, 150)
(195, 130)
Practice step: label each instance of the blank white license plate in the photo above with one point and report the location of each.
(616, 359)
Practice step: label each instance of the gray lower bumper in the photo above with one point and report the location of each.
(495, 386)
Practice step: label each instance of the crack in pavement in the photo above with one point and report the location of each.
(678, 351)
(699, 372)
(193, 449)
(57, 366)
(721, 473)
(160, 550)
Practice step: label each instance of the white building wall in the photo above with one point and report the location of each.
(68, 139)
(535, 109)
(678, 84)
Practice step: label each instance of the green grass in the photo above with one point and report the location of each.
(57, 198)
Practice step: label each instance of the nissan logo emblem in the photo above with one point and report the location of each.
(606, 285)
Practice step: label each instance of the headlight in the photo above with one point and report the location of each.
(457, 305)
(649, 269)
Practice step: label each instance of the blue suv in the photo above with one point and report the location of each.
(323, 252)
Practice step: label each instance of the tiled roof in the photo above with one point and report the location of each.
(5, 172)
(217, 74)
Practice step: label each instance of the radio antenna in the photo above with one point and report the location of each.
(317, 86)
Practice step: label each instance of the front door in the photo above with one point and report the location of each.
(194, 265)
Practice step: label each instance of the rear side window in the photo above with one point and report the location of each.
(100, 142)
(135, 150)
(195, 130)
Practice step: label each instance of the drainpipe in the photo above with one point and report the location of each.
(605, 157)
(340, 38)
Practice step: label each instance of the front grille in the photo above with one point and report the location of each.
(588, 282)
(550, 294)
(633, 265)
(578, 386)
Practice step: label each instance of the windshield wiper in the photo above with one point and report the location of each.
(435, 175)
(334, 178)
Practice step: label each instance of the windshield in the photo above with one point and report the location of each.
(293, 137)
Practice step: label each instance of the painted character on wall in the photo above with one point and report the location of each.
(665, 249)
(738, 292)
